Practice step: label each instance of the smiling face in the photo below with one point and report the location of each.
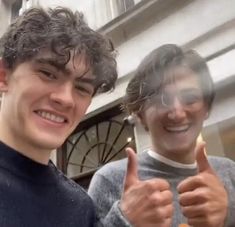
(175, 117)
(43, 103)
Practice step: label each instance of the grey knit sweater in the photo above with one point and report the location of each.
(106, 186)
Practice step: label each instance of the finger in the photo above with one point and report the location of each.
(199, 221)
(162, 198)
(131, 173)
(194, 211)
(191, 198)
(158, 215)
(193, 183)
(189, 184)
(167, 222)
(201, 158)
(164, 212)
(156, 184)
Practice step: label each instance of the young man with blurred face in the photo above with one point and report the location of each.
(173, 183)
(51, 66)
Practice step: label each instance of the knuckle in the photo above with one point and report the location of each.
(164, 212)
(169, 195)
(164, 183)
(161, 198)
(156, 199)
(201, 179)
(160, 214)
(149, 185)
(201, 195)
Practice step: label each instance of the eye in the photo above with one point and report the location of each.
(85, 90)
(190, 99)
(167, 99)
(47, 74)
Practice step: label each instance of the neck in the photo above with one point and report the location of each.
(186, 156)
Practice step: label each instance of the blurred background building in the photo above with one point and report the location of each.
(136, 27)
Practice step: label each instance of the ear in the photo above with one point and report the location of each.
(206, 115)
(206, 112)
(141, 119)
(3, 77)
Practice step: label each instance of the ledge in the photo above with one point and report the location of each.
(137, 18)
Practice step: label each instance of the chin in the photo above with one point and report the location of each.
(49, 142)
(53, 144)
(183, 148)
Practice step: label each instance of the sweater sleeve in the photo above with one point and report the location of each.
(103, 193)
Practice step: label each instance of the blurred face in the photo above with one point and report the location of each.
(44, 102)
(175, 117)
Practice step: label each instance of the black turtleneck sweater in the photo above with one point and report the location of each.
(37, 195)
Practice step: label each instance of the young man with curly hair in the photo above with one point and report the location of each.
(51, 66)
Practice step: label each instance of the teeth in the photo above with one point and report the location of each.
(51, 117)
(178, 128)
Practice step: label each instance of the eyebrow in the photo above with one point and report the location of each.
(86, 80)
(52, 62)
(191, 89)
(61, 67)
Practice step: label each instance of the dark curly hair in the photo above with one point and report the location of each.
(61, 32)
(150, 75)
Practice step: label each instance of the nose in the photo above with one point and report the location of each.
(176, 111)
(63, 95)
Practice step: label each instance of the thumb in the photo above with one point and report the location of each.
(201, 158)
(131, 172)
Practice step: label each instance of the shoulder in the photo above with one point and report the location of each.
(108, 180)
(69, 189)
(224, 167)
(221, 162)
(113, 170)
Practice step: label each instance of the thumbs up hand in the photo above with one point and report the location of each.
(145, 203)
(203, 198)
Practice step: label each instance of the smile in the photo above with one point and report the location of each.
(51, 117)
(182, 128)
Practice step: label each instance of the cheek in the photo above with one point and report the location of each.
(30, 97)
(201, 116)
(81, 108)
(153, 118)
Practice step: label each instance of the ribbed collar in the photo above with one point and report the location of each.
(171, 162)
(154, 163)
(24, 167)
